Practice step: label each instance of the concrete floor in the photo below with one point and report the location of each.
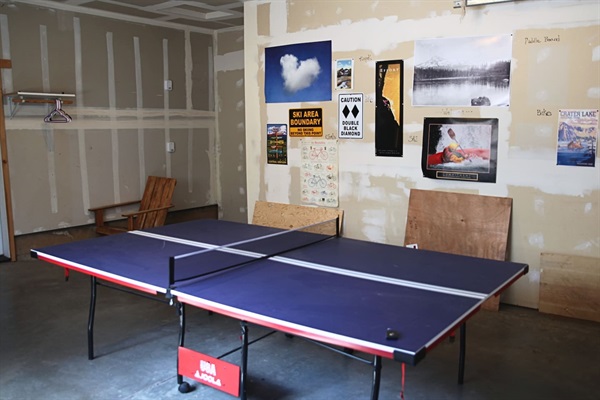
(513, 354)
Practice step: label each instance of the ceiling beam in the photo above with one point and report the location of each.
(113, 15)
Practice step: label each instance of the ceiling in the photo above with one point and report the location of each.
(203, 14)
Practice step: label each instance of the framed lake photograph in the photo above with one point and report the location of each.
(465, 71)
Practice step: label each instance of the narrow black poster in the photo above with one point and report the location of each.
(388, 108)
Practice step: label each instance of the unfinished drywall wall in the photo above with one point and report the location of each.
(555, 208)
(229, 70)
(122, 115)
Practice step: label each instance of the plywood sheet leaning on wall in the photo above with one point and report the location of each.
(289, 216)
(570, 286)
(459, 223)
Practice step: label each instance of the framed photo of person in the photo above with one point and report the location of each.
(463, 149)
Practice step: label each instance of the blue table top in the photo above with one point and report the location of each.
(341, 291)
(144, 260)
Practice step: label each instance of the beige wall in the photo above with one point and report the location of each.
(555, 208)
(122, 116)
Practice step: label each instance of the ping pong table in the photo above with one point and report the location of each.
(346, 294)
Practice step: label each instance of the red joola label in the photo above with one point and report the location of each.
(210, 371)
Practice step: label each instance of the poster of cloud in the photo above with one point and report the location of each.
(298, 72)
(463, 71)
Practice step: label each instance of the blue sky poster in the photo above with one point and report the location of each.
(298, 72)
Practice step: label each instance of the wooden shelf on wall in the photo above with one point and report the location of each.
(19, 98)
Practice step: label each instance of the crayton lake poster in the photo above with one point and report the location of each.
(577, 140)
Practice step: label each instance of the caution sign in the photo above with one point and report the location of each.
(350, 107)
(306, 122)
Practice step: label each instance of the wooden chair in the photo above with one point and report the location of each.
(460, 223)
(290, 216)
(152, 212)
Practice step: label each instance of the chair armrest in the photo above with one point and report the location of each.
(99, 212)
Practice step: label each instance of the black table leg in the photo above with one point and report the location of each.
(376, 378)
(184, 387)
(90, 329)
(244, 366)
(461, 358)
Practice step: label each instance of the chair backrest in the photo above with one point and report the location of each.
(158, 193)
(459, 223)
(290, 216)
